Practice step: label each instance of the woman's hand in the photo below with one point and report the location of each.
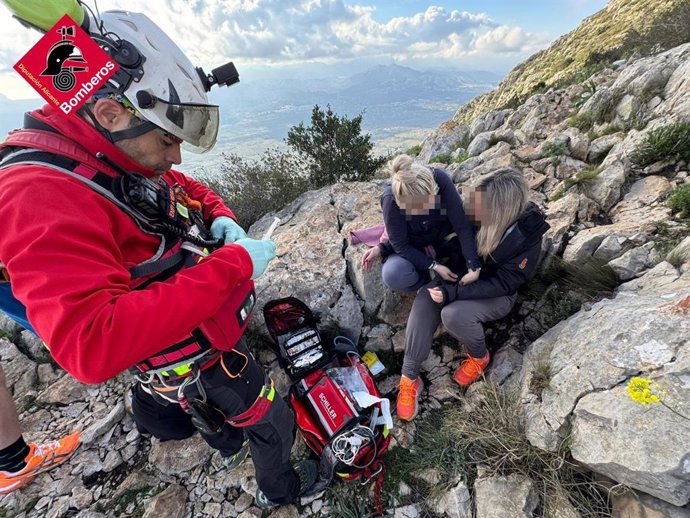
(436, 295)
(470, 277)
(370, 257)
(446, 273)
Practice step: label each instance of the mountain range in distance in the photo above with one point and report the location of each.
(400, 105)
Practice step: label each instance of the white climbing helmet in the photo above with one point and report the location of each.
(160, 82)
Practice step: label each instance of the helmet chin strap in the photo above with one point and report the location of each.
(116, 136)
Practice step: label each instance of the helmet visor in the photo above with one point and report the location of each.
(195, 124)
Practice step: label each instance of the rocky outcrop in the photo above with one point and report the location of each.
(591, 357)
(622, 28)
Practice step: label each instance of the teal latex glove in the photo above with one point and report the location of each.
(226, 229)
(262, 252)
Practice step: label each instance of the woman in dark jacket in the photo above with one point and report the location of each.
(509, 242)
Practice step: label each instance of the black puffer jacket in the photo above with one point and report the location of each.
(512, 263)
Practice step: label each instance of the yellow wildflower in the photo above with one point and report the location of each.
(641, 391)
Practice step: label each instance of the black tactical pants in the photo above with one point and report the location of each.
(232, 385)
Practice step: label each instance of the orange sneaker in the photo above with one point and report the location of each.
(407, 405)
(470, 370)
(41, 457)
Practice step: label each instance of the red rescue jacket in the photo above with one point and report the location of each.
(68, 251)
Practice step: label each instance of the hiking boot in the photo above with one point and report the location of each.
(470, 370)
(308, 473)
(407, 404)
(262, 501)
(41, 457)
(237, 458)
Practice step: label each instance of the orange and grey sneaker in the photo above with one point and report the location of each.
(407, 404)
(470, 370)
(41, 457)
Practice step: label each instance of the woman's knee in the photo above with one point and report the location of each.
(457, 315)
(400, 274)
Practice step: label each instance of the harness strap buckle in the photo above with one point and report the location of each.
(258, 409)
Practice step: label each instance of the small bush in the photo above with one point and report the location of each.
(679, 255)
(414, 150)
(554, 151)
(461, 157)
(679, 201)
(582, 121)
(671, 142)
(541, 379)
(609, 129)
(589, 70)
(442, 158)
(583, 180)
(254, 188)
(591, 278)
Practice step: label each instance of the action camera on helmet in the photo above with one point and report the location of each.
(224, 75)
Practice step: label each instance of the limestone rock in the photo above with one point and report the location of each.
(578, 143)
(454, 503)
(285, 511)
(20, 371)
(379, 339)
(170, 503)
(505, 497)
(310, 247)
(560, 215)
(65, 391)
(590, 357)
(9, 326)
(479, 144)
(34, 346)
(586, 242)
(368, 284)
(606, 187)
(409, 511)
(176, 457)
(101, 426)
(568, 167)
(643, 192)
(633, 262)
(600, 147)
(445, 139)
(639, 505)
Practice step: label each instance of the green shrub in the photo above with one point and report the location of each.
(609, 129)
(679, 201)
(554, 151)
(414, 150)
(442, 158)
(583, 180)
(254, 188)
(590, 278)
(671, 142)
(582, 121)
(334, 149)
(461, 157)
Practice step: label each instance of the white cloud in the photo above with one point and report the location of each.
(293, 31)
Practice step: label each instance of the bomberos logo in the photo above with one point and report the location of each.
(66, 66)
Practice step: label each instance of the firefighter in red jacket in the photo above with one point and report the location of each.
(108, 249)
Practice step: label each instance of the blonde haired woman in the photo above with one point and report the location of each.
(423, 213)
(509, 242)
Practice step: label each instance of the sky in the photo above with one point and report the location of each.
(270, 35)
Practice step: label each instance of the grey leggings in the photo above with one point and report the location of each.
(462, 319)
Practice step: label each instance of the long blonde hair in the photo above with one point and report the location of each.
(409, 179)
(504, 197)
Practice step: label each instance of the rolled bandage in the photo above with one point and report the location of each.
(269, 232)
